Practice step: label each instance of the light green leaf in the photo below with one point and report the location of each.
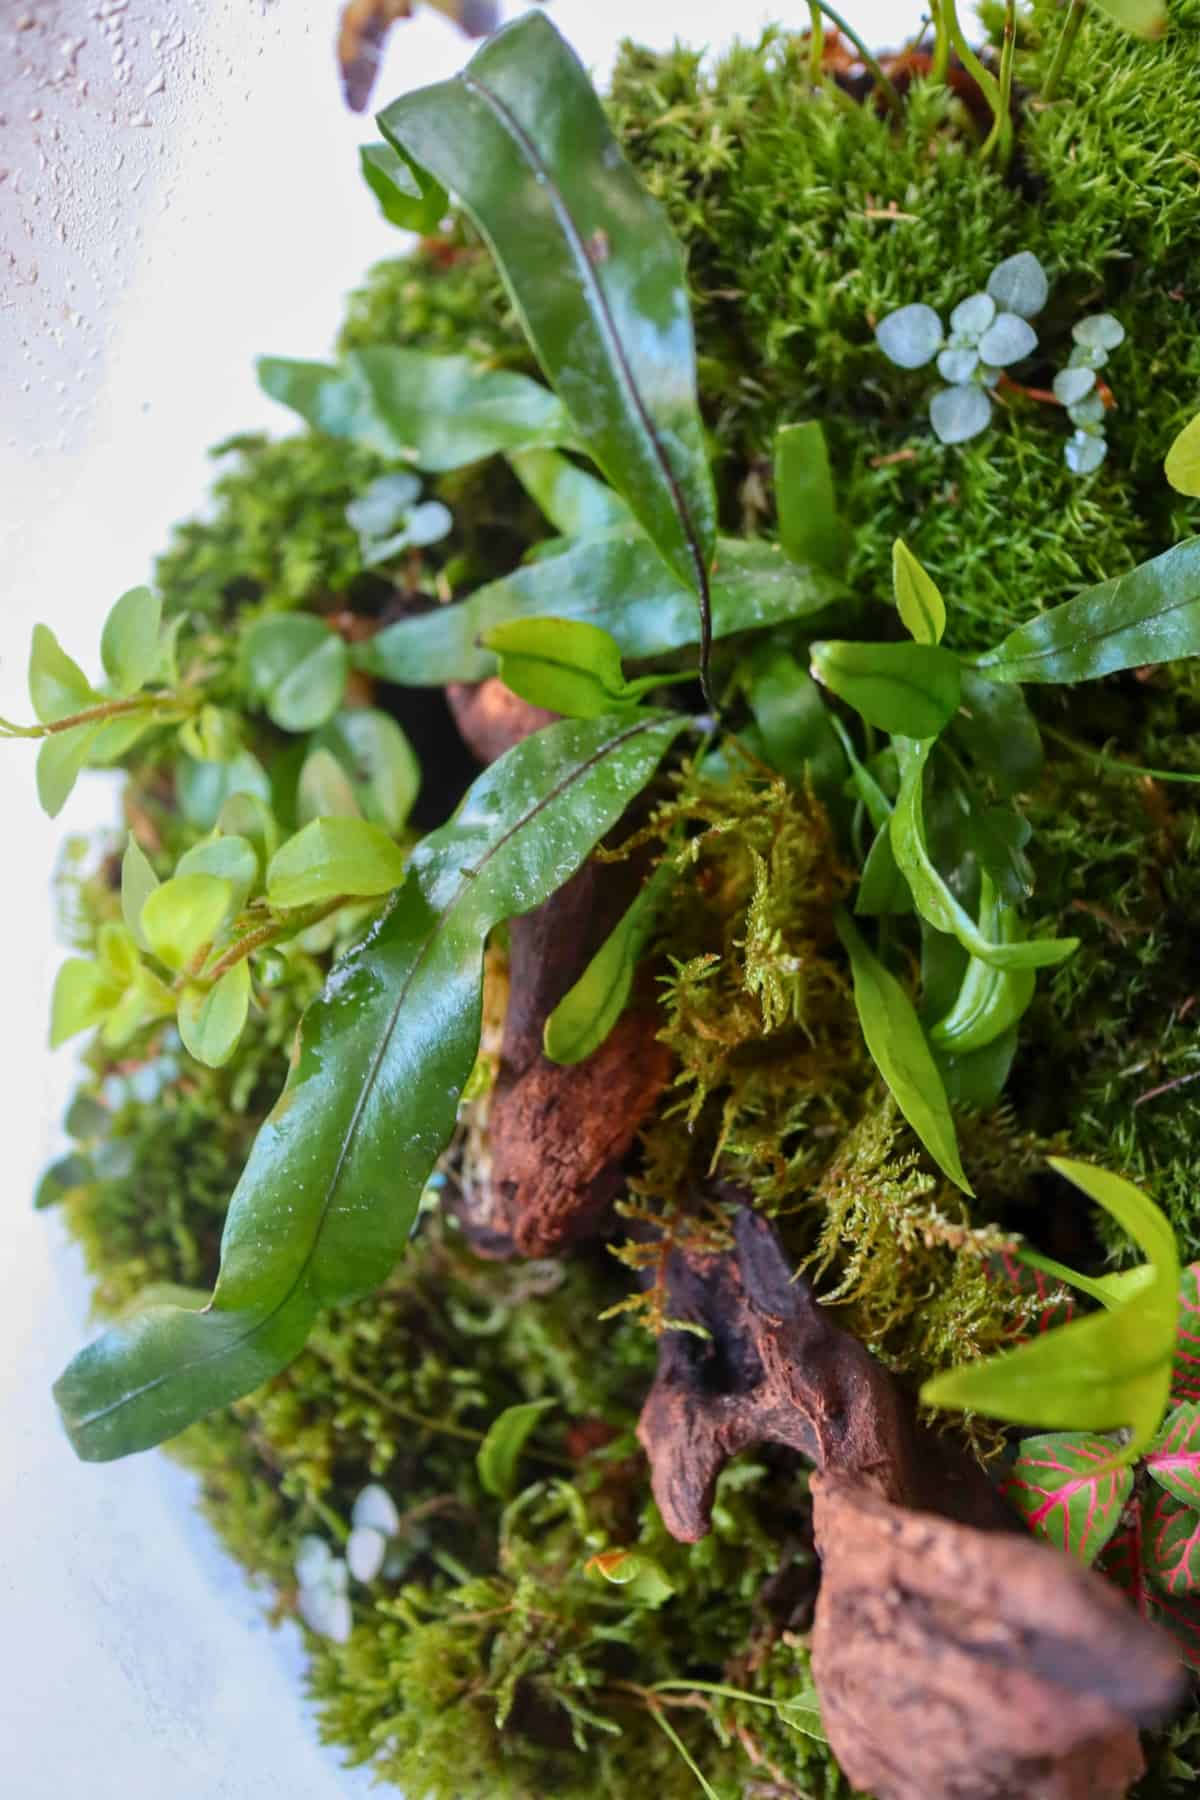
(563, 664)
(60, 759)
(500, 1452)
(211, 1019)
(328, 1197)
(899, 1051)
(84, 994)
(809, 528)
(918, 597)
(212, 735)
(643, 1578)
(145, 998)
(909, 688)
(1108, 1371)
(990, 1000)
(58, 687)
(882, 889)
(1144, 18)
(435, 412)
(618, 582)
(1183, 460)
(593, 268)
(1150, 615)
(803, 1713)
(406, 195)
(232, 858)
(129, 641)
(932, 894)
(181, 918)
(248, 816)
(296, 665)
(203, 789)
(324, 790)
(379, 763)
(588, 1011)
(331, 857)
(574, 502)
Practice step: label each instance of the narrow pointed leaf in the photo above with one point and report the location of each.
(138, 882)
(500, 1452)
(331, 857)
(908, 688)
(332, 1186)
(593, 267)
(1151, 615)
(918, 597)
(1185, 1376)
(129, 643)
(990, 1000)
(1070, 1491)
(575, 503)
(1174, 1457)
(617, 581)
(588, 1011)
(935, 901)
(899, 1051)
(809, 527)
(407, 196)
(882, 890)
(1172, 1547)
(58, 687)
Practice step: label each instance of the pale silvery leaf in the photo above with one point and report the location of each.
(972, 315)
(1088, 411)
(381, 506)
(1070, 385)
(1100, 331)
(987, 376)
(1087, 356)
(1085, 452)
(1019, 284)
(336, 1576)
(910, 337)
(312, 1559)
(959, 413)
(957, 366)
(376, 1508)
(365, 1551)
(1007, 340)
(327, 1612)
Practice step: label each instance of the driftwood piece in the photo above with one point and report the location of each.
(491, 718)
(954, 1658)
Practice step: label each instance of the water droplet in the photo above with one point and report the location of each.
(35, 113)
(156, 86)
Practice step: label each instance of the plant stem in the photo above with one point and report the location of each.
(885, 86)
(1114, 764)
(1001, 132)
(463, 1432)
(939, 67)
(1000, 136)
(816, 44)
(1066, 44)
(97, 715)
(270, 934)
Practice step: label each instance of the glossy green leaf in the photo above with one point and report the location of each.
(327, 1200)
(1172, 1546)
(899, 1051)
(129, 643)
(588, 1011)
(908, 688)
(181, 918)
(60, 761)
(862, 783)
(642, 1577)
(378, 761)
(435, 412)
(798, 737)
(231, 858)
(618, 582)
(248, 816)
(1144, 18)
(324, 790)
(407, 196)
(500, 1452)
(918, 598)
(999, 733)
(977, 1078)
(84, 994)
(1174, 1457)
(1150, 615)
(990, 1000)
(998, 836)
(1069, 1491)
(332, 857)
(592, 265)
(211, 1019)
(882, 889)
(58, 687)
(296, 665)
(933, 897)
(1109, 1370)
(1182, 466)
(204, 789)
(809, 527)
(575, 503)
(567, 666)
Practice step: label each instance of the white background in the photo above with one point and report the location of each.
(178, 192)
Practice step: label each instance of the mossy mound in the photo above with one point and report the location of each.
(490, 1661)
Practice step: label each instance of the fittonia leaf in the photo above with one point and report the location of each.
(1174, 1457)
(1185, 1375)
(1068, 1490)
(328, 1196)
(1172, 1546)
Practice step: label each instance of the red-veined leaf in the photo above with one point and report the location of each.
(1180, 1615)
(1068, 1490)
(1185, 1378)
(1123, 1563)
(1051, 1303)
(1174, 1457)
(1172, 1547)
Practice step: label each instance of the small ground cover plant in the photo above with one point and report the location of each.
(821, 882)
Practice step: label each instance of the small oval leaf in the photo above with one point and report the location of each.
(129, 642)
(500, 1450)
(332, 857)
(918, 598)
(911, 689)
(211, 1020)
(181, 918)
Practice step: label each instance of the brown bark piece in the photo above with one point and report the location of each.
(952, 1662)
(492, 718)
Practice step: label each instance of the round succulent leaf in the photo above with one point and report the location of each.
(1087, 356)
(366, 1549)
(327, 1612)
(1019, 284)
(1068, 1490)
(1088, 411)
(376, 1508)
(1070, 385)
(957, 365)
(1174, 1457)
(911, 336)
(1084, 452)
(1099, 331)
(313, 1557)
(958, 414)
(1007, 340)
(972, 316)
(1172, 1546)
